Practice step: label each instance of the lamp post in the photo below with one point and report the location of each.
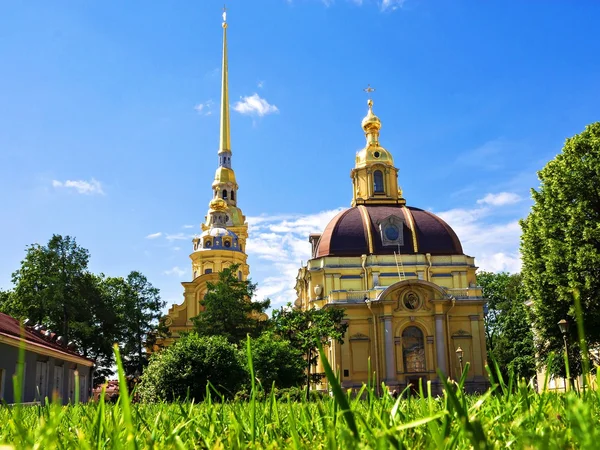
(459, 353)
(563, 325)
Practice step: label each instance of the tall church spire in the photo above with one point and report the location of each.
(225, 186)
(225, 139)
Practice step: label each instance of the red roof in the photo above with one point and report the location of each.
(11, 326)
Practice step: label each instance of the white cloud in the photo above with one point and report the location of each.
(276, 246)
(494, 243)
(188, 226)
(204, 109)
(255, 105)
(391, 4)
(500, 199)
(81, 186)
(176, 271)
(260, 84)
(177, 236)
(154, 235)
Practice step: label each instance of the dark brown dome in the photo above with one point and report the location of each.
(355, 232)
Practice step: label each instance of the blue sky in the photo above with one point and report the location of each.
(109, 120)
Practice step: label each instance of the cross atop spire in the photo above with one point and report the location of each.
(368, 90)
(224, 16)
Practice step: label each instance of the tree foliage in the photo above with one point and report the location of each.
(54, 287)
(228, 309)
(509, 337)
(183, 369)
(276, 360)
(304, 328)
(560, 246)
(142, 310)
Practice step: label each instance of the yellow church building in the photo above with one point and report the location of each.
(409, 292)
(224, 231)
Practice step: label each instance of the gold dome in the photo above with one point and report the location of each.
(218, 204)
(371, 121)
(224, 175)
(373, 153)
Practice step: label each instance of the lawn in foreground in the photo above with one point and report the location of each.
(506, 416)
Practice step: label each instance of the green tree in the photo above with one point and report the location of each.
(228, 309)
(186, 367)
(50, 284)
(560, 246)
(141, 311)
(305, 328)
(276, 360)
(53, 286)
(509, 337)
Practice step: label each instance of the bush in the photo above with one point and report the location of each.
(275, 360)
(184, 369)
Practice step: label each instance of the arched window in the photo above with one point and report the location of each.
(232, 195)
(378, 182)
(240, 275)
(413, 350)
(224, 193)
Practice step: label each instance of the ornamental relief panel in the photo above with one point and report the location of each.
(412, 300)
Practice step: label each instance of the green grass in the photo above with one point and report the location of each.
(507, 416)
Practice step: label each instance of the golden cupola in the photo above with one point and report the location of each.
(373, 151)
(375, 179)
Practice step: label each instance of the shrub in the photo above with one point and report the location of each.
(275, 360)
(183, 370)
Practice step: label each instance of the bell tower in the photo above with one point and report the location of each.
(222, 242)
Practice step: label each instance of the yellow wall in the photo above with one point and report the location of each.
(448, 312)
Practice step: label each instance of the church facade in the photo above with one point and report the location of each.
(224, 231)
(409, 292)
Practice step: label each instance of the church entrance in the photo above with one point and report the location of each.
(413, 383)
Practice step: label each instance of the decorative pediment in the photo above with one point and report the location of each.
(461, 334)
(359, 337)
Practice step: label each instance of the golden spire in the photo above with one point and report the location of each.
(225, 140)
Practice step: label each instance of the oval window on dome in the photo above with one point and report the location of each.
(392, 232)
(376, 154)
(227, 244)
